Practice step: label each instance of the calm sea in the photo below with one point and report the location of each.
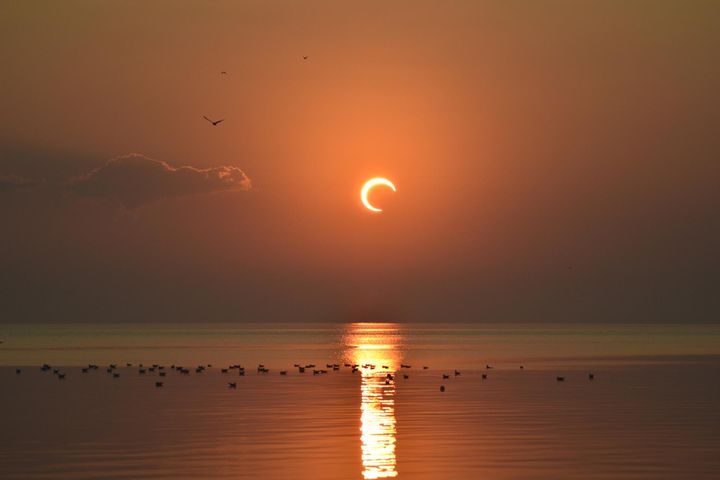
(652, 409)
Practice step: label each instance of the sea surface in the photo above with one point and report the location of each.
(651, 410)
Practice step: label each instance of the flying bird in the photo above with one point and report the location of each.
(213, 122)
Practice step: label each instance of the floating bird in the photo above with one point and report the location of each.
(232, 385)
(283, 372)
(84, 370)
(162, 374)
(425, 368)
(116, 375)
(141, 371)
(214, 122)
(446, 376)
(560, 379)
(522, 367)
(591, 376)
(61, 376)
(223, 73)
(442, 388)
(158, 384)
(223, 370)
(457, 373)
(18, 371)
(484, 376)
(305, 57)
(488, 367)
(406, 377)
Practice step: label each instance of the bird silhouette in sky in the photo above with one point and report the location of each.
(213, 122)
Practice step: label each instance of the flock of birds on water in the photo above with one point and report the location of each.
(161, 371)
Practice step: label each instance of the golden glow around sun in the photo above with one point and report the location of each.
(369, 185)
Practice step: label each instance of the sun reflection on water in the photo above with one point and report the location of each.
(374, 346)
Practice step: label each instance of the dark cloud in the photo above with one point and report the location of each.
(12, 182)
(135, 180)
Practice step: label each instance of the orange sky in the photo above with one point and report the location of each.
(554, 160)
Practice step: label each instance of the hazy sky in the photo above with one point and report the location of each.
(554, 161)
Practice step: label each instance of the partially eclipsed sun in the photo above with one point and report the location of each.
(369, 185)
